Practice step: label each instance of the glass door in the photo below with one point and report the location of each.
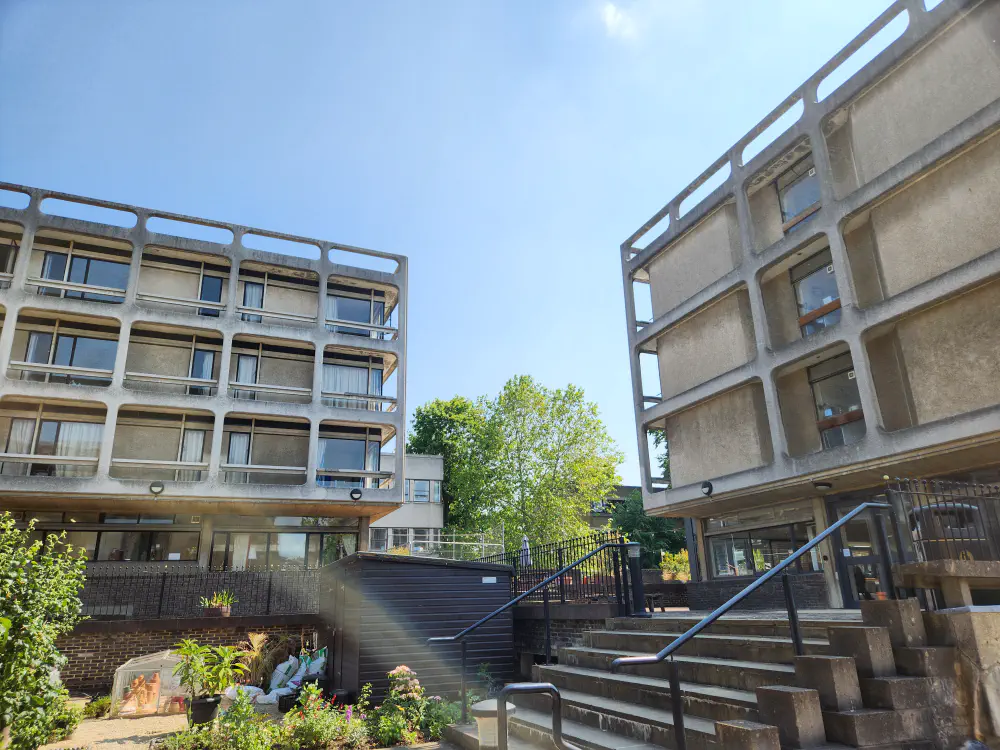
(862, 571)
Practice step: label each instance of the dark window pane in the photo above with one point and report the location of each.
(341, 453)
(798, 189)
(288, 550)
(421, 491)
(54, 266)
(379, 539)
(815, 283)
(120, 518)
(124, 545)
(39, 345)
(98, 354)
(358, 310)
(155, 518)
(336, 546)
(108, 273)
(211, 291)
(48, 434)
(218, 561)
(167, 546)
(64, 351)
(85, 539)
(78, 270)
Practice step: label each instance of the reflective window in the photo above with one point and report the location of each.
(80, 351)
(730, 556)
(435, 492)
(96, 272)
(288, 550)
(87, 540)
(336, 546)
(53, 267)
(349, 308)
(838, 403)
(211, 291)
(341, 454)
(798, 189)
(379, 539)
(123, 546)
(202, 366)
(816, 289)
(400, 537)
(173, 546)
(421, 491)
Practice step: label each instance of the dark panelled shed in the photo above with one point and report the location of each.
(385, 607)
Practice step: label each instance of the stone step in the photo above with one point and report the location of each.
(466, 736)
(605, 724)
(729, 673)
(736, 625)
(768, 648)
(703, 701)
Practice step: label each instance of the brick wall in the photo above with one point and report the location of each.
(568, 624)
(810, 593)
(95, 650)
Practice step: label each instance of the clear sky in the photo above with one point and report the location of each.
(508, 148)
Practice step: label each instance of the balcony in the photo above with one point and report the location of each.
(160, 444)
(350, 456)
(180, 281)
(10, 243)
(75, 266)
(73, 350)
(50, 438)
(354, 379)
(265, 451)
(270, 293)
(265, 369)
(364, 309)
(169, 359)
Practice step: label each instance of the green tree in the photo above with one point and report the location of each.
(532, 459)
(653, 533)
(40, 584)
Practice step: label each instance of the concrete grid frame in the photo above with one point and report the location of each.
(753, 256)
(309, 498)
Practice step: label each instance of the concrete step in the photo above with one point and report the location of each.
(729, 673)
(604, 724)
(736, 625)
(704, 701)
(768, 648)
(466, 736)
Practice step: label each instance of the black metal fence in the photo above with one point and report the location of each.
(152, 592)
(949, 520)
(601, 578)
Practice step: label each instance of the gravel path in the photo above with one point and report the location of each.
(120, 734)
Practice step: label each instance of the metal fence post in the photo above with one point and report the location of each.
(635, 571)
(270, 582)
(616, 571)
(548, 625)
(465, 699)
(884, 553)
(793, 614)
(677, 703)
(163, 586)
(562, 578)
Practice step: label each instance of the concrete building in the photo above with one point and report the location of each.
(824, 301)
(215, 402)
(419, 522)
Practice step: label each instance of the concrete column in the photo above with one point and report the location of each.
(312, 458)
(215, 458)
(365, 523)
(205, 541)
(699, 526)
(121, 355)
(317, 382)
(7, 337)
(234, 277)
(825, 550)
(107, 440)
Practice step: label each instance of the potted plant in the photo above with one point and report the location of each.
(206, 671)
(219, 605)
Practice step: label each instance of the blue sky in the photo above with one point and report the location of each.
(507, 148)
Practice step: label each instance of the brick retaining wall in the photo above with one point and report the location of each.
(96, 649)
(810, 593)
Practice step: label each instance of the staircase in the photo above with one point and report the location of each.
(865, 681)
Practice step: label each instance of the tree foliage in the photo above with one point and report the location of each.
(533, 459)
(40, 584)
(654, 534)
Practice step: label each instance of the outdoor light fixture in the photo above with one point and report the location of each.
(823, 485)
(355, 494)
(706, 489)
(157, 487)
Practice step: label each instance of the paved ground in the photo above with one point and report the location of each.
(846, 615)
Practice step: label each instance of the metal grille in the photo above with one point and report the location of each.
(950, 520)
(600, 578)
(152, 592)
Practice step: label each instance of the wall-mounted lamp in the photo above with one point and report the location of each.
(157, 487)
(355, 494)
(706, 489)
(823, 485)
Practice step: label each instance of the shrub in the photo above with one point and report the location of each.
(438, 714)
(392, 728)
(97, 707)
(314, 722)
(675, 566)
(65, 718)
(242, 728)
(196, 738)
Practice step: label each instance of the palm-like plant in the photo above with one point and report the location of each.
(223, 667)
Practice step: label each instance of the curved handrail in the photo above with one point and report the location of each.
(711, 618)
(521, 688)
(555, 576)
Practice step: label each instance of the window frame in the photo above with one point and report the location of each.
(789, 222)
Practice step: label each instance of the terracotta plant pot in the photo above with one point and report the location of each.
(204, 710)
(217, 611)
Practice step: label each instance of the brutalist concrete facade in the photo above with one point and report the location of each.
(287, 327)
(904, 159)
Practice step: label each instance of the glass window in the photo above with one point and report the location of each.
(253, 297)
(731, 556)
(247, 552)
(78, 516)
(155, 518)
(211, 291)
(96, 272)
(87, 540)
(406, 490)
(312, 551)
(39, 346)
(45, 516)
(838, 403)
(287, 551)
(124, 546)
(336, 546)
(218, 561)
(798, 189)
(816, 287)
(174, 545)
(53, 267)
(349, 308)
(400, 537)
(341, 454)
(435, 492)
(81, 351)
(202, 366)
(120, 518)
(421, 491)
(379, 539)
(48, 435)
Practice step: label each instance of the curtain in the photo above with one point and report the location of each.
(246, 372)
(253, 296)
(78, 439)
(38, 347)
(239, 549)
(192, 449)
(378, 313)
(18, 441)
(375, 389)
(239, 454)
(372, 461)
(345, 379)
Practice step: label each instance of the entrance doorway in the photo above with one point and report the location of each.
(862, 570)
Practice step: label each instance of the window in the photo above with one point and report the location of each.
(349, 308)
(8, 254)
(287, 551)
(421, 491)
(80, 351)
(435, 492)
(838, 405)
(346, 379)
(400, 538)
(246, 373)
(96, 272)
(406, 490)
(798, 192)
(257, 551)
(173, 546)
(211, 291)
(54, 268)
(379, 539)
(730, 556)
(336, 546)
(816, 293)
(202, 366)
(756, 551)
(253, 297)
(124, 546)
(345, 454)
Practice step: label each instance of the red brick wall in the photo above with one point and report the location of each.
(93, 657)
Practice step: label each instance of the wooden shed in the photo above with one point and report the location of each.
(383, 608)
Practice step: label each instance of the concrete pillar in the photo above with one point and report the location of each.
(902, 618)
(834, 678)
(363, 526)
(312, 457)
(107, 440)
(870, 648)
(827, 559)
(699, 527)
(205, 541)
(795, 712)
(746, 735)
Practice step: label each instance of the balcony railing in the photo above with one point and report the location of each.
(182, 301)
(280, 315)
(194, 385)
(35, 458)
(374, 331)
(83, 372)
(240, 473)
(369, 479)
(70, 286)
(360, 401)
(235, 389)
(178, 467)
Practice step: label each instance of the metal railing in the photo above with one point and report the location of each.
(632, 572)
(154, 591)
(949, 520)
(595, 581)
(793, 618)
(522, 688)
